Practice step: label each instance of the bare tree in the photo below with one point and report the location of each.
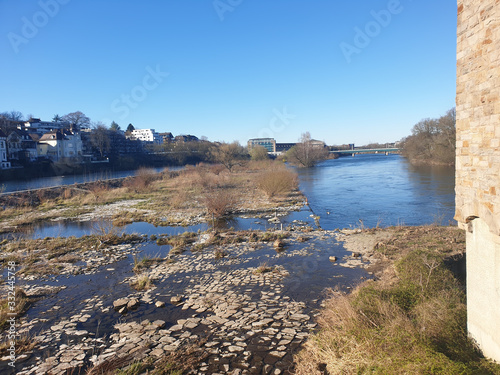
(77, 120)
(307, 152)
(100, 138)
(228, 154)
(12, 115)
(432, 141)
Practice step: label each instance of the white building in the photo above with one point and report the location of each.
(60, 145)
(147, 135)
(4, 163)
(42, 127)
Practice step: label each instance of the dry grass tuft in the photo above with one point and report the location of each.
(20, 306)
(143, 282)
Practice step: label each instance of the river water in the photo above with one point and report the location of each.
(375, 189)
(45, 182)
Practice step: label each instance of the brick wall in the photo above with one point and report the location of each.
(478, 112)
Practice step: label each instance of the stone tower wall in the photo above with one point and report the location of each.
(478, 164)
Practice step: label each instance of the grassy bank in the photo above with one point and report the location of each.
(411, 320)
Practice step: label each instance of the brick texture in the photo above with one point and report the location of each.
(478, 112)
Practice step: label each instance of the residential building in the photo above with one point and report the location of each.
(4, 163)
(186, 138)
(22, 146)
(35, 125)
(166, 137)
(268, 143)
(146, 135)
(60, 145)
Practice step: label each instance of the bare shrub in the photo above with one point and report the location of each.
(217, 169)
(142, 179)
(67, 194)
(178, 198)
(219, 202)
(43, 196)
(98, 190)
(277, 182)
(261, 165)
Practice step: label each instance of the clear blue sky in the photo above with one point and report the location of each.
(237, 69)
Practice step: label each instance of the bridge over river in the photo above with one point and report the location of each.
(386, 151)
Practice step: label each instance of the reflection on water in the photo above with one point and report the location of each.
(370, 190)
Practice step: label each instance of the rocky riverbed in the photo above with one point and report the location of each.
(247, 306)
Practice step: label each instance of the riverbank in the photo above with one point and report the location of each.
(410, 319)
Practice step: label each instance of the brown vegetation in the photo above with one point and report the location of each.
(143, 178)
(219, 202)
(307, 152)
(411, 321)
(21, 304)
(277, 181)
(228, 154)
(432, 141)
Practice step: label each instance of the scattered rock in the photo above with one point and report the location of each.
(278, 244)
(176, 300)
(119, 303)
(133, 303)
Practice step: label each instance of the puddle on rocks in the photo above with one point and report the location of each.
(83, 228)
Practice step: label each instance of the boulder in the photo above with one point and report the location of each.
(278, 244)
(176, 300)
(133, 303)
(159, 323)
(333, 258)
(159, 304)
(119, 303)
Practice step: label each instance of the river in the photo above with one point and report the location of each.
(365, 190)
(375, 189)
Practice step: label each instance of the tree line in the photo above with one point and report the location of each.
(432, 141)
